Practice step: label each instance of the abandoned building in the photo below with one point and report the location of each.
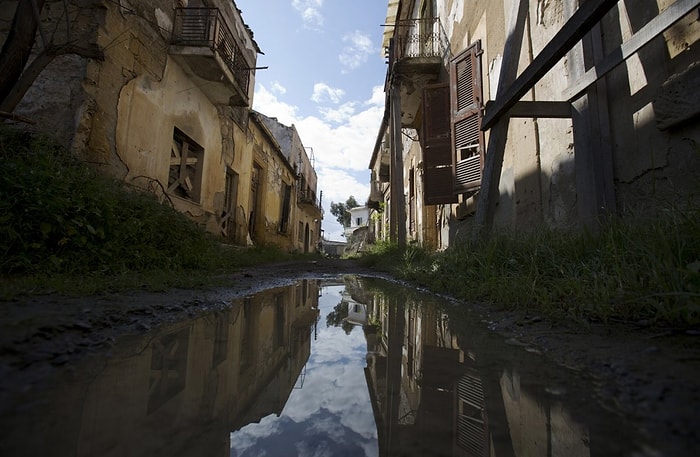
(159, 95)
(524, 114)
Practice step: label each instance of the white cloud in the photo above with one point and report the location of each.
(357, 51)
(338, 115)
(343, 141)
(324, 92)
(267, 103)
(278, 88)
(310, 11)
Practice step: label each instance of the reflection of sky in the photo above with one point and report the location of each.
(331, 414)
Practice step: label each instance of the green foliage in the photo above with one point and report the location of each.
(341, 211)
(642, 271)
(60, 221)
(59, 216)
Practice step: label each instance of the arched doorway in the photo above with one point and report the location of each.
(307, 241)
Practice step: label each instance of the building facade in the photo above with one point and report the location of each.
(520, 114)
(158, 94)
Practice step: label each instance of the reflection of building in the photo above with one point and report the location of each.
(431, 396)
(357, 312)
(182, 389)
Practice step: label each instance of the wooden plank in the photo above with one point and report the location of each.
(595, 194)
(177, 161)
(493, 162)
(651, 30)
(587, 15)
(541, 109)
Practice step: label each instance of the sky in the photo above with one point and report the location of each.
(325, 76)
(330, 412)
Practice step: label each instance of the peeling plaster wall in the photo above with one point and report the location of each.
(119, 114)
(146, 151)
(654, 169)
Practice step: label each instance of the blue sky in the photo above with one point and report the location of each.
(326, 77)
(331, 413)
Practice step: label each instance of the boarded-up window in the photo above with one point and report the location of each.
(466, 98)
(286, 205)
(186, 163)
(437, 146)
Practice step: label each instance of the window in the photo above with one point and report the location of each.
(284, 211)
(358, 221)
(186, 163)
(451, 137)
(466, 101)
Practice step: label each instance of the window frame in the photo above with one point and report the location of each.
(186, 167)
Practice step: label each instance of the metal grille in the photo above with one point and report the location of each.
(206, 27)
(418, 38)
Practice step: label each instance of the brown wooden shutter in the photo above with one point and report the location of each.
(466, 110)
(437, 146)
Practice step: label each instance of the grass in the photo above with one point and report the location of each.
(66, 228)
(642, 271)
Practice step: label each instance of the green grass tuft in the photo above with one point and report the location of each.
(641, 271)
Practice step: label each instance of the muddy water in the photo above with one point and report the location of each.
(353, 367)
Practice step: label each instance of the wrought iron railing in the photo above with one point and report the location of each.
(418, 38)
(207, 27)
(308, 197)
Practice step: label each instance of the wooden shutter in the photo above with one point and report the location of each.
(437, 146)
(466, 110)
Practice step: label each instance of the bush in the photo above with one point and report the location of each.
(59, 216)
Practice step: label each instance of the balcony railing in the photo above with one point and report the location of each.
(206, 27)
(308, 197)
(416, 38)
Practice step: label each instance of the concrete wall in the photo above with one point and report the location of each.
(649, 151)
(120, 115)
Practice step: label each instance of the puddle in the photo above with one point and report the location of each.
(353, 367)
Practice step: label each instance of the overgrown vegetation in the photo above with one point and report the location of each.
(645, 272)
(65, 227)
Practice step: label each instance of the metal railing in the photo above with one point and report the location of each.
(418, 38)
(207, 27)
(308, 197)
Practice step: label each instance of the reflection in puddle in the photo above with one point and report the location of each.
(358, 367)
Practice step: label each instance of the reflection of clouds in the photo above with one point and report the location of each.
(248, 436)
(331, 414)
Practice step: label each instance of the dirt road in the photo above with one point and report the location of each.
(651, 375)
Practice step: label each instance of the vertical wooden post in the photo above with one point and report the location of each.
(595, 194)
(488, 197)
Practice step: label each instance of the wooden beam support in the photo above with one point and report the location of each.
(488, 195)
(587, 15)
(651, 30)
(540, 109)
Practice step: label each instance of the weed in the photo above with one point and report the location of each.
(631, 270)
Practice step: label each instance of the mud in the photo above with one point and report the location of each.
(651, 376)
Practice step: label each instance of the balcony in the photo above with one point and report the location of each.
(308, 198)
(418, 52)
(202, 43)
(419, 46)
